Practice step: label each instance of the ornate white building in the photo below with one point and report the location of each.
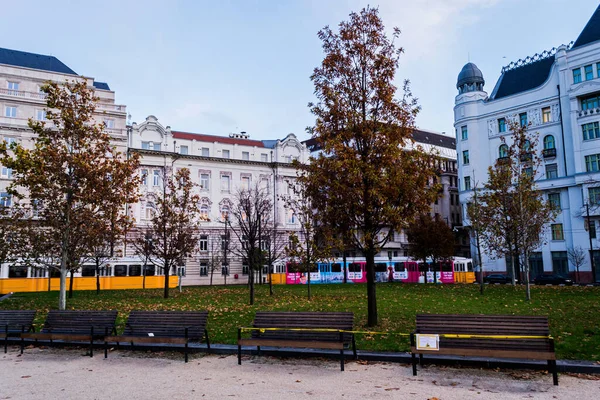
(557, 92)
(219, 165)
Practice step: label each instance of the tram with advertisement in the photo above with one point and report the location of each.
(397, 269)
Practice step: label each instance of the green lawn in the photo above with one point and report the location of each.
(574, 312)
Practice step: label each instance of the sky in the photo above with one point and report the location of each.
(224, 66)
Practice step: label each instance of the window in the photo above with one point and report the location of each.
(40, 115)
(224, 212)
(557, 232)
(146, 145)
(13, 88)
(10, 111)
(551, 171)
(156, 177)
(560, 262)
(546, 116)
(135, 270)
(6, 172)
(264, 157)
(156, 147)
(502, 125)
(549, 142)
(466, 157)
(592, 163)
(576, 75)
(291, 217)
(204, 210)
(183, 150)
(554, 200)
(225, 153)
(503, 151)
(205, 152)
(245, 155)
(467, 183)
(225, 183)
(594, 193)
(145, 177)
(120, 270)
(204, 179)
(590, 102)
(246, 182)
(203, 243)
(591, 131)
(523, 119)
(598, 70)
(528, 171)
(203, 269)
(110, 123)
(591, 226)
(589, 72)
(464, 133)
(10, 140)
(5, 199)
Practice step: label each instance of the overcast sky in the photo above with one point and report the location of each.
(232, 65)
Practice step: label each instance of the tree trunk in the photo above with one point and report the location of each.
(167, 270)
(527, 286)
(71, 272)
(271, 266)
(97, 277)
(433, 264)
(481, 285)
(62, 295)
(371, 289)
(212, 272)
(344, 267)
(251, 281)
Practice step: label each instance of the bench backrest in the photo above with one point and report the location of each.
(16, 320)
(167, 324)
(307, 320)
(511, 325)
(80, 322)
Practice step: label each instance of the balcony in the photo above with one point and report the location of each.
(549, 153)
(525, 157)
(589, 111)
(23, 94)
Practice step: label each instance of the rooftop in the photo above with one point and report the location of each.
(33, 61)
(591, 32)
(219, 139)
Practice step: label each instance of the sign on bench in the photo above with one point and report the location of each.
(503, 336)
(316, 330)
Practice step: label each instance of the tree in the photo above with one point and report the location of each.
(430, 238)
(13, 227)
(476, 221)
(71, 172)
(309, 244)
(252, 209)
(144, 248)
(514, 211)
(174, 225)
(274, 241)
(363, 171)
(577, 257)
(215, 255)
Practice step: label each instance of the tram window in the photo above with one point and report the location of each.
(120, 270)
(106, 270)
(38, 272)
(17, 271)
(149, 270)
(470, 266)
(88, 270)
(336, 267)
(280, 268)
(380, 267)
(446, 266)
(135, 270)
(353, 267)
(399, 267)
(265, 269)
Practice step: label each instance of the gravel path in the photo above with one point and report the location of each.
(48, 373)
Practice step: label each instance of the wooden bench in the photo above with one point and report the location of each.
(75, 325)
(317, 330)
(15, 322)
(538, 347)
(169, 327)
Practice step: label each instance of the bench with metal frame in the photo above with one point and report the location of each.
(163, 327)
(15, 322)
(75, 326)
(502, 336)
(316, 330)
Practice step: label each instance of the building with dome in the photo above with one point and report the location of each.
(557, 93)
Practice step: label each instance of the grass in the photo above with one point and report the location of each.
(574, 312)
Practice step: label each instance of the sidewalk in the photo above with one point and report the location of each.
(66, 373)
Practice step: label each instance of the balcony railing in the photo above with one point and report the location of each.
(526, 157)
(23, 94)
(549, 153)
(111, 107)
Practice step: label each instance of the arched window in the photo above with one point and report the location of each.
(503, 151)
(204, 212)
(224, 212)
(527, 146)
(549, 142)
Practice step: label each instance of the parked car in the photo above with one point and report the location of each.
(552, 280)
(497, 278)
